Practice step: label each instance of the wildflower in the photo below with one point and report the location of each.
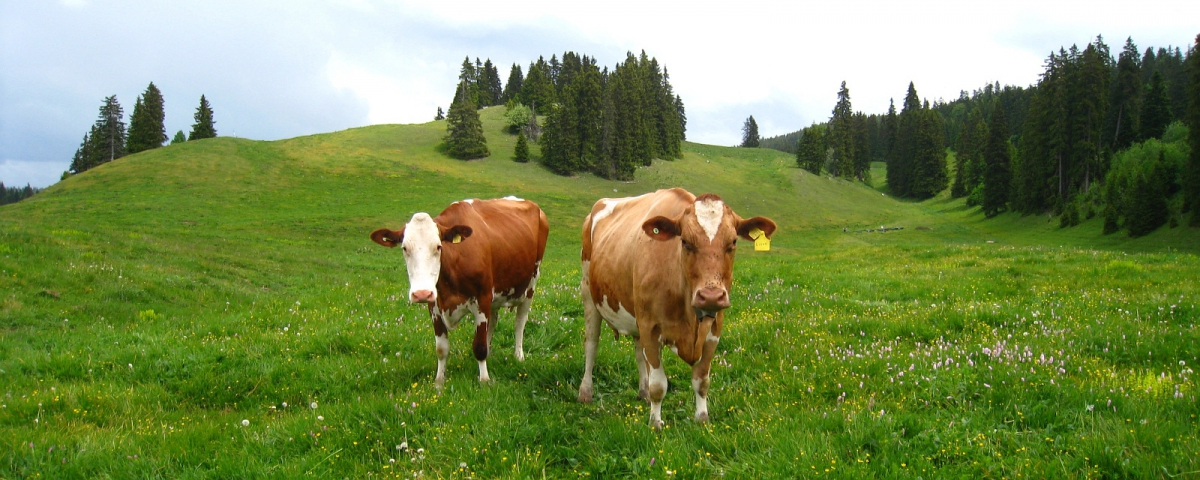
(402, 446)
(245, 423)
(391, 460)
(284, 404)
(320, 418)
(462, 464)
(1090, 407)
(313, 405)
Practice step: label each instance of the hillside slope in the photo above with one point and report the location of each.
(215, 309)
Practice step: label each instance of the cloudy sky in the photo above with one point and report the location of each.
(281, 69)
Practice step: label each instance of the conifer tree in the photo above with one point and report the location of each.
(1126, 96)
(537, 91)
(490, 84)
(464, 132)
(841, 135)
(810, 152)
(178, 138)
(890, 125)
(521, 151)
(512, 88)
(682, 118)
(900, 165)
(110, 131)
(1191, 174)
(1148, 207)
(440, 115)
(1156, 110)
(146, 128)
(750, 136)
(969, 166)
(927, 161)
(997, 178)
(468, 83)
(204, 127)
(862, 148)
(85, 156)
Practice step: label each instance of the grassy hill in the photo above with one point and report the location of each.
(152, 304)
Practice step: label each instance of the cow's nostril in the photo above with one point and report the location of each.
(422, 296)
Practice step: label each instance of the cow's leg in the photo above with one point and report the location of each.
(441, 342)
(483, 335)
(700, 377)
(519, 328)
(591, 339)
(643, 373)
(657, 381)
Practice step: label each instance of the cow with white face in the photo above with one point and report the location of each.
(474, 258)
(659, 267)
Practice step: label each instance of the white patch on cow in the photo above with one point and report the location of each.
(701, 402)
(674, 349)
(483, 373)
(610, 204)
(421, 254)
(515, 199)
(452, 317)
(658, 378)
(712, 338)
(709, 213)
(621, 319)
(470, 201)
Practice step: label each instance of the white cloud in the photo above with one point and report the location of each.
(18, 173)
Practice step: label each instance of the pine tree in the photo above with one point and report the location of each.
(750, 136)
(1191, 174)
(512, 88)
(440, 115)
(110, 131)
(537, 91)
(810, 152)
(490, 84)
(862, 148)
(891, 124)
(927, 162)
(682, 118)
(841, 135)
(998, 177)
(468, 83)
(464, 132)
(179, 137)
(969, 166)
(146, 127)
(521, 152)
(1126, 96)
(204, 127)
(85, 155)
(900, 165)
(1156, 110)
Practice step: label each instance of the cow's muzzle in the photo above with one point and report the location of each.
(422, 296)
(711, 299)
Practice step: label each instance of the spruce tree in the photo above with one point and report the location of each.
(862, 148)
(85, 156)
(179, 137)
(440, 115)
(464, 132)
(204, 127)
(682, 118)
(146, 127)
(512, 88)
(521, 152)
(969, 164)
(750, 136)
(900, 166)
(1191, 174)
(810, 152)
(891, 123)
(998, 177)
(110, 131)
(841, 135)
(1156, 110)
(1148, 208)
(1126, 96)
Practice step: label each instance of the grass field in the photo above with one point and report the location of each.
(216, 310)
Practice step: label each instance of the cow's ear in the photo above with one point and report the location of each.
(456, 233)
(764, 224)
(388, 238)
(661, 228)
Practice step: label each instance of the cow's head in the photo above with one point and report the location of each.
(421, 239)
(707, 231)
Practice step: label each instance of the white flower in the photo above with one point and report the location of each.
(284, 404)
(462, 465)
(420, 450)
(402, 446)
(320, 418)
(313, 405)
(1090, 407)
(245, 423)
(391, 460)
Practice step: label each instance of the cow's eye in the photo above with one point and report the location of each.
(731, 247)
(688, 246)
(402, 247)
(439, 248)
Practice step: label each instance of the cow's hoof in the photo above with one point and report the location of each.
(439, 384)
(519, 355)
(643, 395)
(701, 417)
(585, 395)
(657, 425)
(485, 380)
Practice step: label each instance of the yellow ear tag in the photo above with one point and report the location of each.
(761, 242)
(457, 239)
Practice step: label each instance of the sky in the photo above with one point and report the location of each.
(282, 69)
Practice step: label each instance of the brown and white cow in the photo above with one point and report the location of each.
(659, 267)
(475, 257)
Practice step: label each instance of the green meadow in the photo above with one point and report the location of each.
(215, 309)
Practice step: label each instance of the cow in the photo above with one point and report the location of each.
(475, 257)
(659, 268)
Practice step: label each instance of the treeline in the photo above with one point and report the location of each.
(596, 120)
(15, 194)
(1039, 149)
(109, 140)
